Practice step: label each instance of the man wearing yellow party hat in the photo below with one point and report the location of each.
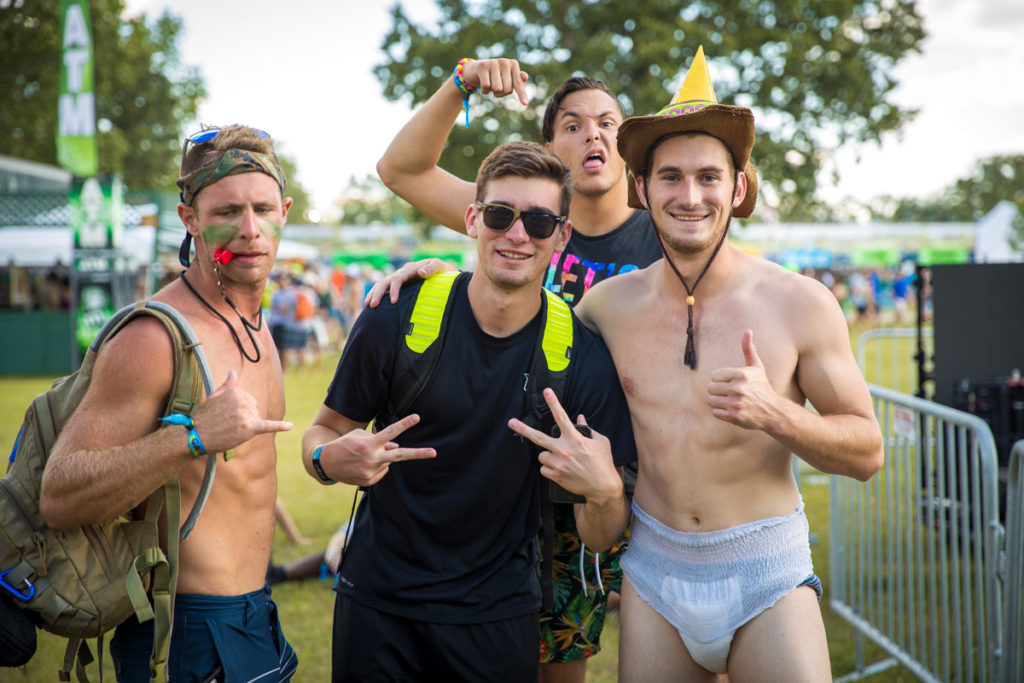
(718, 574)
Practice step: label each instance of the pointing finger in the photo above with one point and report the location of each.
(519, 84)
(557, 412)
(390, 432)
(274, 426)
(538, 437)
(393, 291)
(399, 454)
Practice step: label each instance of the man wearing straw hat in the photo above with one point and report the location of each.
(718, 351)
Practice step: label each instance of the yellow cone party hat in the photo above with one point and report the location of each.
(696, 92)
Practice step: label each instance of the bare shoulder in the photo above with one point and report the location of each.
(611, 298)
(131, 379)
(793, 293)
(810, 312)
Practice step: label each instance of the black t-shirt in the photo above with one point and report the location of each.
(453, 539)
(588, 260)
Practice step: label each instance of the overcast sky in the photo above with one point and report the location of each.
(302, 71)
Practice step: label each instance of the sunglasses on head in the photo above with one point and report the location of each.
(207, 134)
(538, 224)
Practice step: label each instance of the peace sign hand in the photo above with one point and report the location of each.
(577, 463)
(363, 458)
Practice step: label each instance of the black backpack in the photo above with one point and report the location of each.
(417, 359)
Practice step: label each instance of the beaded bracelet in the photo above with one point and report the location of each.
(461, 84)
(319, 467)
(195, 444)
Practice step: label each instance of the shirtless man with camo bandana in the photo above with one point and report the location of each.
(113, 452)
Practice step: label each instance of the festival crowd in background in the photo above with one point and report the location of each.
(869, 296)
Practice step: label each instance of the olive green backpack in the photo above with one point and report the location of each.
(80, 583)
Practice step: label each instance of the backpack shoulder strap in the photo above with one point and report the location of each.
(190, 368)
(419, 347)
(549, 367)
(191, 376)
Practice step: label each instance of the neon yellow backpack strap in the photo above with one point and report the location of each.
(425, 322)
(557, 340)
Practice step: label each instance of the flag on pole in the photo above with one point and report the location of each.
(76, 120)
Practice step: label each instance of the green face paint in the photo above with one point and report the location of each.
(217, 235)
(272, 231)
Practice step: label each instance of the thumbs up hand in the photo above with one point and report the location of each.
(742, 395)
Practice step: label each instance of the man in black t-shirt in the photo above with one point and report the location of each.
(580, 125)
(440, 579)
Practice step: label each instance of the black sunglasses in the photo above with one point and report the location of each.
(538, 224)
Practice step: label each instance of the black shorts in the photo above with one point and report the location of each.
(374, 645)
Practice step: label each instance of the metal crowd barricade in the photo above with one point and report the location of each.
(1013, 569)
(916, 552)
(883, 354)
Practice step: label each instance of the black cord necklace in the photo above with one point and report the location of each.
(690, 354)
(246, 325)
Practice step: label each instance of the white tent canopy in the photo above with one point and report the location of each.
(992, 244)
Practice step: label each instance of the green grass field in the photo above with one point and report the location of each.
(306, 607)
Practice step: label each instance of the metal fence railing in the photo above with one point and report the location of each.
(891, 357)
(917, 552)
(1013, 568)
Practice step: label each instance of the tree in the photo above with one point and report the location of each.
(144, 93)
(366, 200)
(817, 74)
(995, 179)
(299, 213)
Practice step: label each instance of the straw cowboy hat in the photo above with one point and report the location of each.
(694, 108)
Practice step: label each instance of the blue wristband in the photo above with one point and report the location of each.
(461, 85)
(319, 468)
(195, 444)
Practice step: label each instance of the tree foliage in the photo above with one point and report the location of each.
(366, 200)
(995, 179)
(299, 213)
(816, 74)
(144, 94)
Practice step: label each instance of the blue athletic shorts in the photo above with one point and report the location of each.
(223, 638)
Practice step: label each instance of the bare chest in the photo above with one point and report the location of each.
(649, 348)
(225, 352)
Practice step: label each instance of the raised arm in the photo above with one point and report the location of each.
(409, 166)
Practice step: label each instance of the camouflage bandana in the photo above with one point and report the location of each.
(231, 162)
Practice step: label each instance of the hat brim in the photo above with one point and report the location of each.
(734, 126)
